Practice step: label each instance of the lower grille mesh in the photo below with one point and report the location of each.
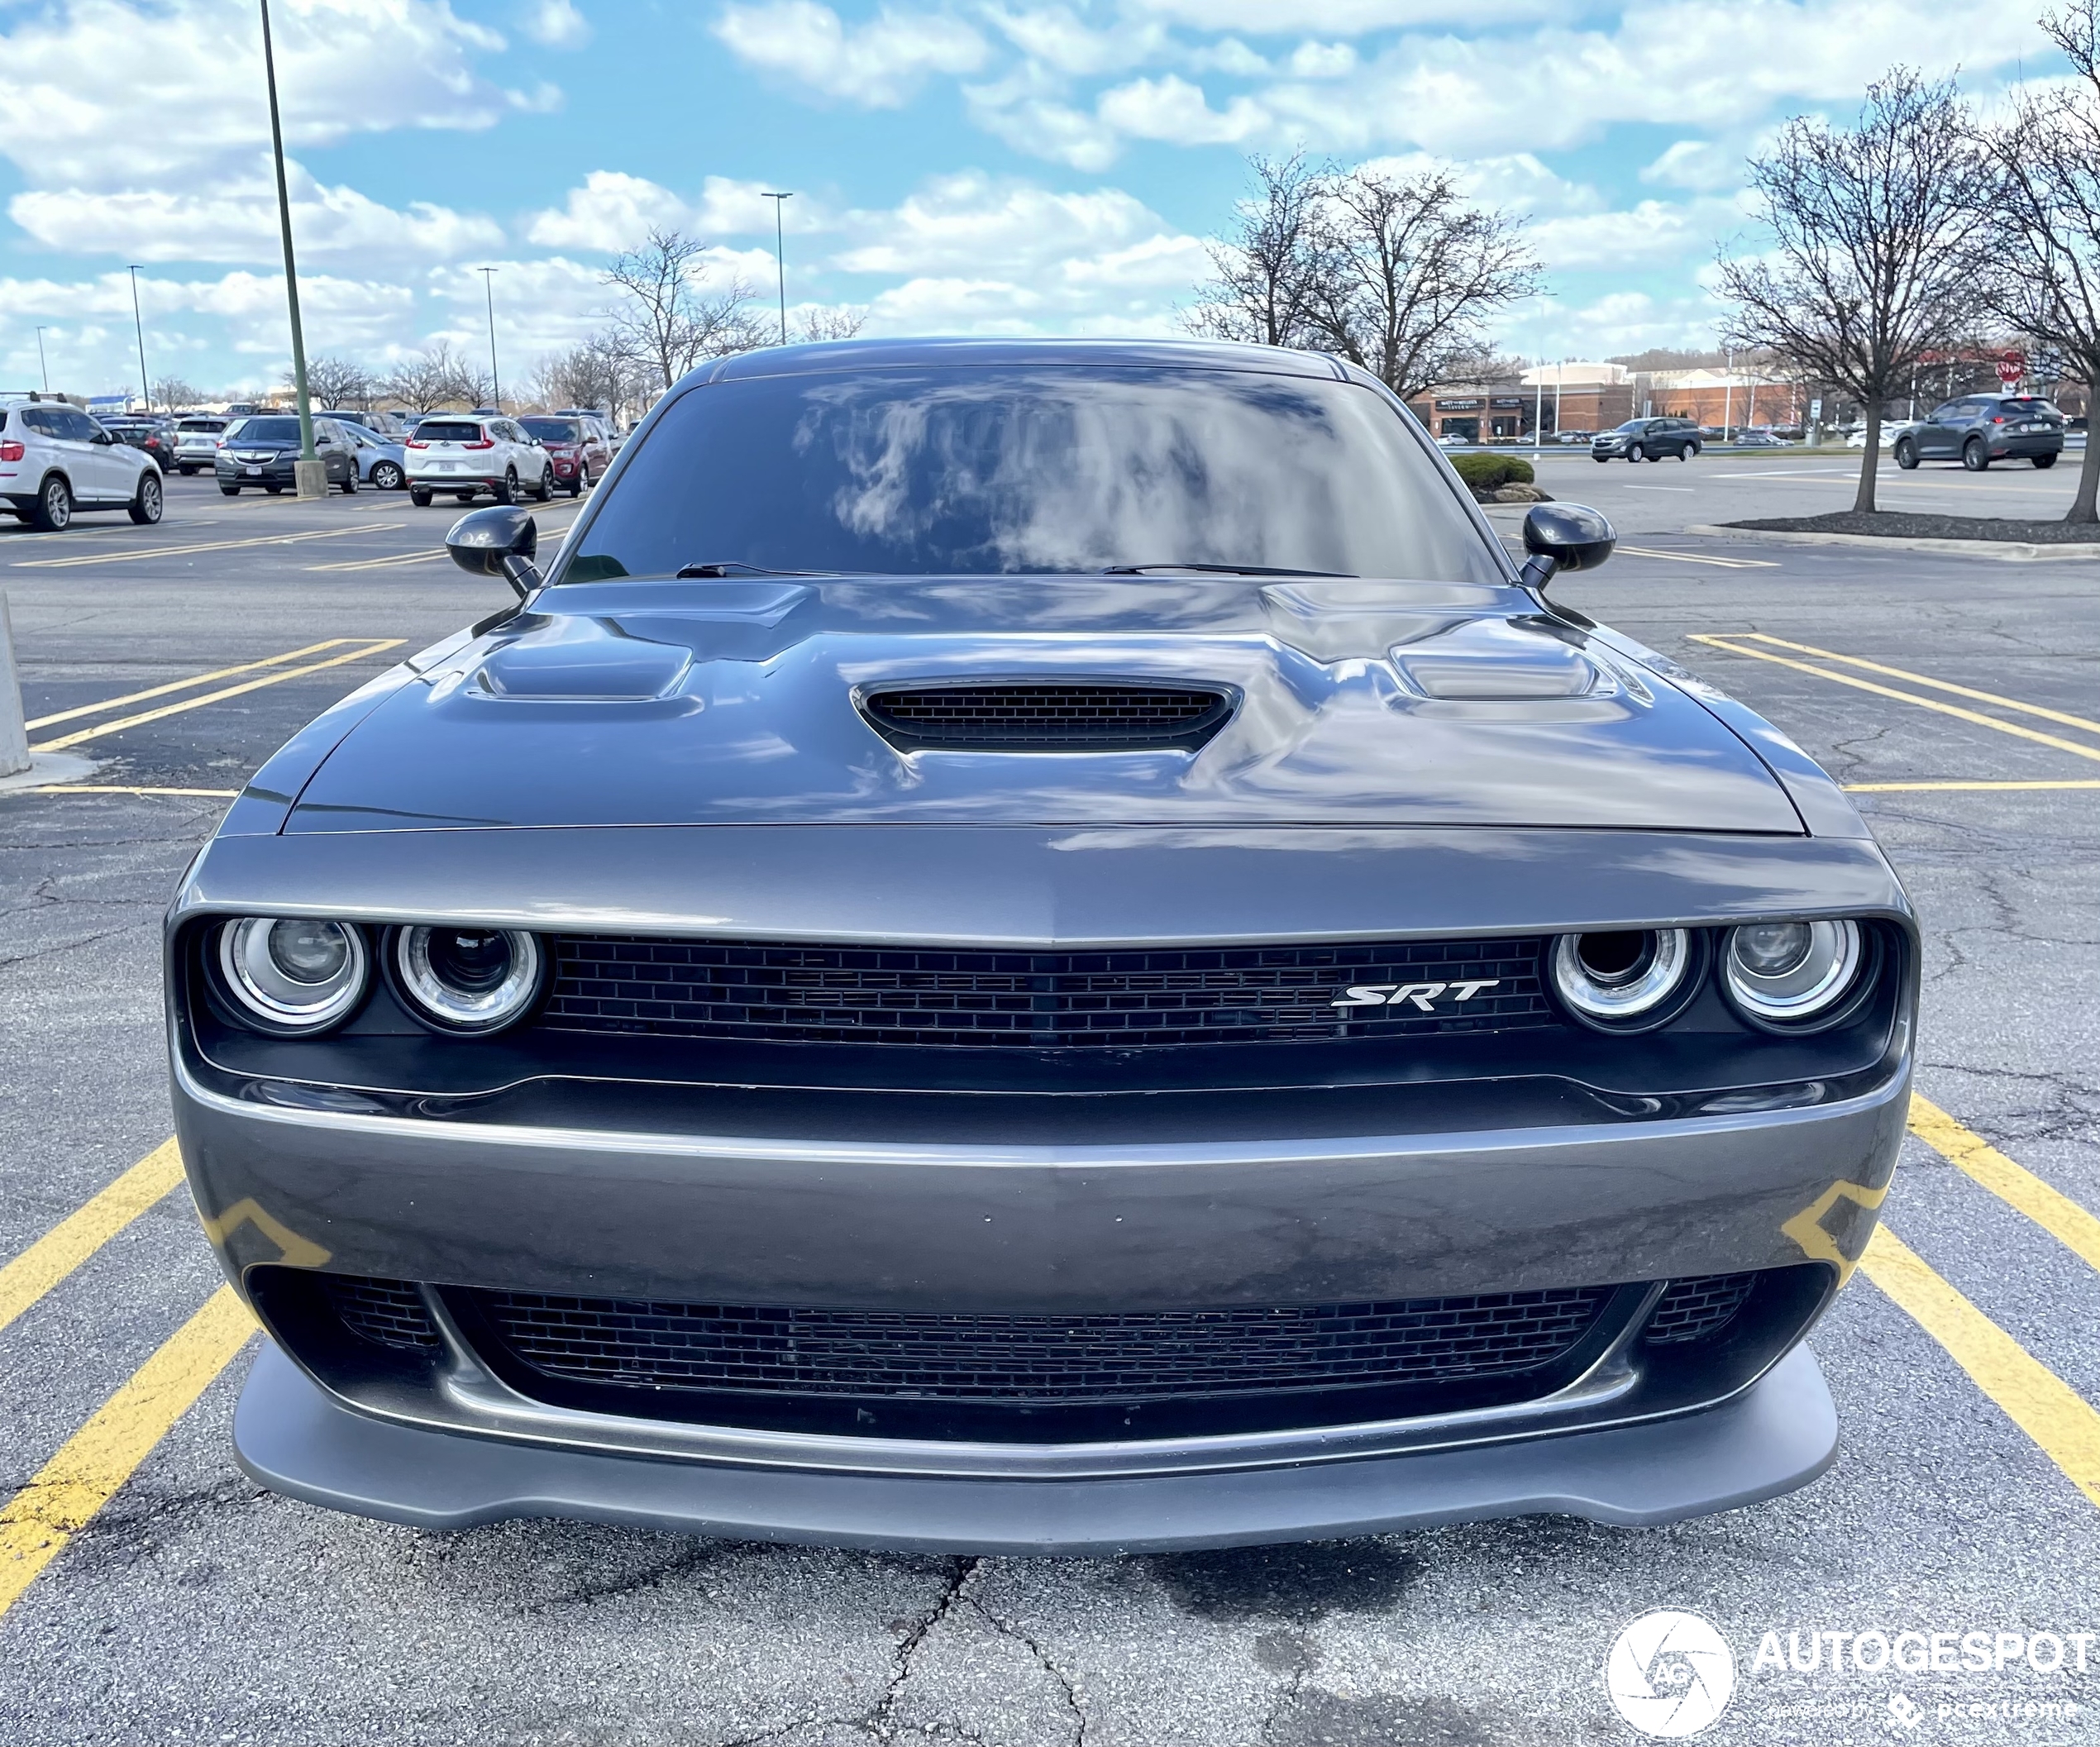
(390, 1313)
(782, 992)
(1048, 719)
(1134, 1356)
(1691, 1309)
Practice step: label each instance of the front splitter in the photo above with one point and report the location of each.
(293, 1438)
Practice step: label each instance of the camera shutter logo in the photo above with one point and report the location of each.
(1670, 1674)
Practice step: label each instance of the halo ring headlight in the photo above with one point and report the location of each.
(1783, 973)
(1623, 979)
(291, 974)
(468, 978)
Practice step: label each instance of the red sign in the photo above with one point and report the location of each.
(2012, 367)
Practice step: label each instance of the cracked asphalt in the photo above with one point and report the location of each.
(197, 1609)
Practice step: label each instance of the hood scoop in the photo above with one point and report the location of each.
(1033, 716)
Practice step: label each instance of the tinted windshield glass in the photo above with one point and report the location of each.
(448, 431)
(204, 425)
(991, 471)
(268, 431)
(553, 430)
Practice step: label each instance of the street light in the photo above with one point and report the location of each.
(780, 251)
(41, 364)
(312, 479)
(496, 380)
(146, 383)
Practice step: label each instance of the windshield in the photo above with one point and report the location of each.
(553, 430)
(268, 431)
(992, 471)
(204, 425)
(448, 431)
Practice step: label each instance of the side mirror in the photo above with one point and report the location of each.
(1558, 536)
(502, 542)
(104, 438)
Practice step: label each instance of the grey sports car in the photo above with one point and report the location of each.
(1037, 946)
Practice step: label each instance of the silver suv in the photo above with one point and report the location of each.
(56, 460)
(197, 442)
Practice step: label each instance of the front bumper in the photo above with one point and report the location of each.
(1779, 1434)
(256, 473)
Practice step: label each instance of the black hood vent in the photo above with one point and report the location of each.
(1066, 716)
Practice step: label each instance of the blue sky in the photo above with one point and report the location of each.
(960, 165)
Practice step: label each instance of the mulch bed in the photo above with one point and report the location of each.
(1896, 524)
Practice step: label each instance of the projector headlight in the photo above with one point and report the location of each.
(1788, 973)
(468, 978)
(1625, 979)
(292, 975)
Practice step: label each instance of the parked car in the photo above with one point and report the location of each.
(1892, 432)
(56, 461)
(197, 441)
(1173, 1040)
(381, 461)
(151, 431)
(260, 451)
(1648, 440)
(1758, 439)
(1575, 436)
(578, 444)
(463, 455)
(1978, 429)
(385, 425)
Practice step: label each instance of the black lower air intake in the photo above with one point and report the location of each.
(1078, 716)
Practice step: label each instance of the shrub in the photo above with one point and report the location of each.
(1484, 473)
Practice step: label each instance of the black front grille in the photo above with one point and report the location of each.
(1068, 718)
(785, 993)
(1040, 1359)
(1693, 1308)
(390, 1313)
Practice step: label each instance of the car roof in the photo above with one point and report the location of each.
(837, 354)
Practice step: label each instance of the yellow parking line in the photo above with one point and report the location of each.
(2018, 1187)
(1905, 697)
(1718, 562)
(201, 679)
(207, 546)
(375, 564)
(84, 1230)
(2037, 1401)
(377, 646)
(64, 1496)
(1904, 788)
(75, 788)
(1920, 679)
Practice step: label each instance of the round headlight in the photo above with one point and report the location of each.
(468, 978)
(1784, 972)
(290, 974)
(1622, 977)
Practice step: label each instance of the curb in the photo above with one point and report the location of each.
(48, 767)
(2006, 552)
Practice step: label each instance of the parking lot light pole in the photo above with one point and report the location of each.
(42, 363)
(495, 378)
(146, 383)
(780, 251)
(309, 473)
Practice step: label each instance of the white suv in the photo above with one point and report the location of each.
(197, 443)
(54, 459)
(466, 454)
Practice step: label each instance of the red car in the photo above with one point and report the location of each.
(578, 444)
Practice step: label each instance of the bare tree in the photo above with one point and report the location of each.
(595, 374)
(833, 321)
(333, 381)
(2045, 221)
(1876, 232)
(434, 377)
(1412, 272)
(668, 317)
(1269, 269)
(172, 392)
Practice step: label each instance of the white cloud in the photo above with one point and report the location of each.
(1056, 37)
(86, 88)
(878, 64)
(1322, 60)
(612, 211)
(1175, 110)
(237, 221)
(554, 24)
(1651, 233)
(970, 220)
(1347, 17)
(1701, 164)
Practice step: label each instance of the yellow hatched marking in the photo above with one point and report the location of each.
(1920, 679)
(94, 789)
(84, 1230)
(1906, 697)
(65, 1493)
(2040, 1403)
(201, 679)
(1713, 559)
(1906, 788)
(376, 646)
(2015, 1184)
(377, 564)
(206, 546)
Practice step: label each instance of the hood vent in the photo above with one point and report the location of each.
(1075, 716)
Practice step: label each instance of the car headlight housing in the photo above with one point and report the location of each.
(293, 974)
(468, 978)
(1791, 973)
(1626, 979)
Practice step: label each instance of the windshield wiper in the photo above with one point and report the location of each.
(738, 567)
(1216, 570)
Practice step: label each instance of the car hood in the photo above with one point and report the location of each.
(737, 702)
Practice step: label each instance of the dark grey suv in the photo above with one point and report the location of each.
(1648, 440)
(1978, 429)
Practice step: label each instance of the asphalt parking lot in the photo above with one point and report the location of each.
(1957, 696)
